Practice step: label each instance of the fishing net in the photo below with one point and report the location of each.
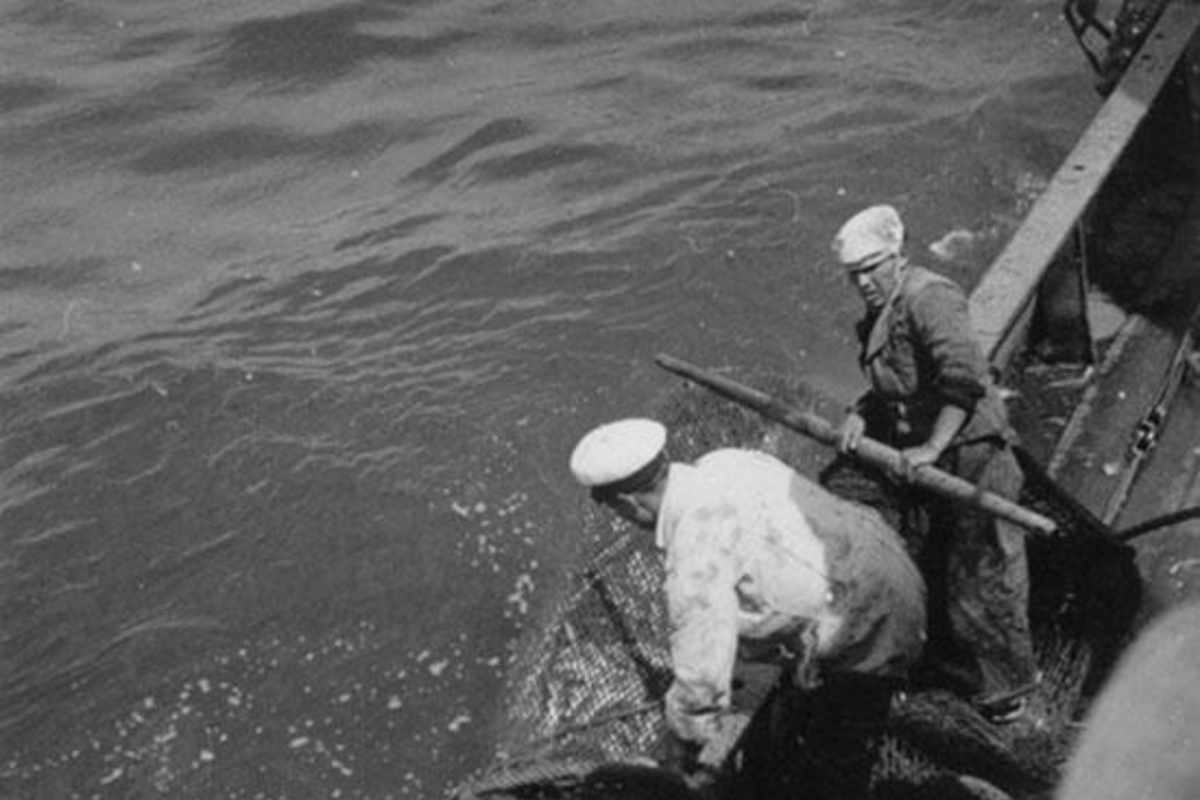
(583, 716)
(586, 690)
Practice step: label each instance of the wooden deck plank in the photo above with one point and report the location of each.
(1095, 447)
(1094, 451)
(1167, 557)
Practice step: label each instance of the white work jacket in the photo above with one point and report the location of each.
(757, 553)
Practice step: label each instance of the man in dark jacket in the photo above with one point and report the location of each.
(932, 398)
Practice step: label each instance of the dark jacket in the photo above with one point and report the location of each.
(920, 354)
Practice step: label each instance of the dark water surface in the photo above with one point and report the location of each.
(303, 305)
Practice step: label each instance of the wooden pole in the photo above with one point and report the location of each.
(870, 451)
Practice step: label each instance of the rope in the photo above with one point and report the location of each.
(1087, 522)
(1173, 518)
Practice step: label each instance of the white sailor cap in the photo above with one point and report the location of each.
(621, 455)
(869, 237)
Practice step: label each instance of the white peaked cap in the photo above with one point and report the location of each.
(869, 236)
(617, 450)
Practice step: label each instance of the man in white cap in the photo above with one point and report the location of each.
(932, 398)
(758, 555)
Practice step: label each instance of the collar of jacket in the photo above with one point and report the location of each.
(879, 330)
(678, 476)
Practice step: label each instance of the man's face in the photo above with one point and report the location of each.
(875, 283)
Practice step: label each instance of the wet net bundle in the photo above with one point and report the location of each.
(587, 690)
(583, 715)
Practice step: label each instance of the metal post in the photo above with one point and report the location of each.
(1081, 245)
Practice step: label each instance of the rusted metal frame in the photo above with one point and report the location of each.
(1081, 18)
(1002, 304)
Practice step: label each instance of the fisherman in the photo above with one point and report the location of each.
(758, 556)
(931, 397)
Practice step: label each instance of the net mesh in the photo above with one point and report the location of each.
(590, 683)
(585, 693)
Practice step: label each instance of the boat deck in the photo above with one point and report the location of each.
(1119, 220)
(1150, 367)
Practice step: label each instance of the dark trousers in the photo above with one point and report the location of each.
(816, 742)
(980, 580)
(974, 565)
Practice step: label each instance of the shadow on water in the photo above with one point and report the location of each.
(19, 93)
(494, 132)
(300, 52)
(248, 145)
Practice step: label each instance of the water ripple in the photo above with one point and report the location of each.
(489, 135)
(305, 303)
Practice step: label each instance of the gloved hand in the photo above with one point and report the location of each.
(684, 758)
(912, 459)
(677, 754)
